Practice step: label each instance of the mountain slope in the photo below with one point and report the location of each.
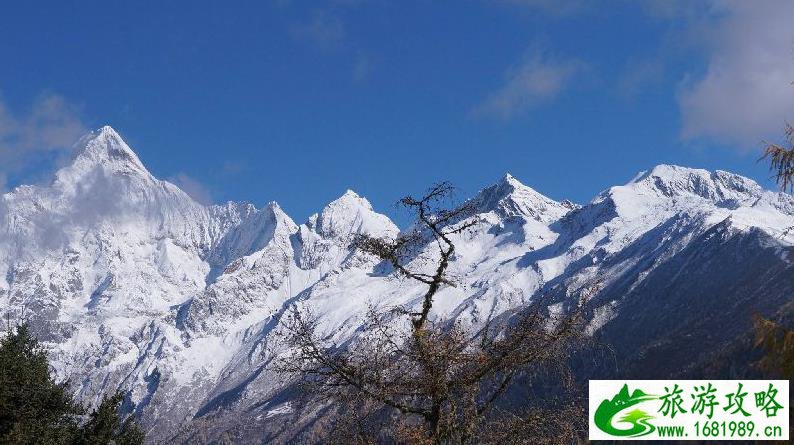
(134, 285)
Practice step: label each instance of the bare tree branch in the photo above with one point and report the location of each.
(781, 160)
(431, 380)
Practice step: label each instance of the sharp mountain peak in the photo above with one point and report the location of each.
(106, 146)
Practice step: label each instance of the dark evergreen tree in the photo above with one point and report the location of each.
(104, 426)
(35, 409)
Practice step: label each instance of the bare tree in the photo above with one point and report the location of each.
(429, 380)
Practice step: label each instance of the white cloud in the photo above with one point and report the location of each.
(50, 125)
(746, 93)
(539, 78)
(195, 189)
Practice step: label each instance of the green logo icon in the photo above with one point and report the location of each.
(638, 419)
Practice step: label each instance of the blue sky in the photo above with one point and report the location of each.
(296, 101)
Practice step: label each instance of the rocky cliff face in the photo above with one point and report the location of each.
(134, 285)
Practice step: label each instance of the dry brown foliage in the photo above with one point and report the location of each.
(777, 342)
(428, 380)
(781, 160)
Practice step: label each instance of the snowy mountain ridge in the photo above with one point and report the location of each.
(134, 285)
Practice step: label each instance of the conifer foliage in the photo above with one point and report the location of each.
(35, 409)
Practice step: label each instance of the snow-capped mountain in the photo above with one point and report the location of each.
(134, 285)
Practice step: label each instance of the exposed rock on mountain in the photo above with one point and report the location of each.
(134, 285)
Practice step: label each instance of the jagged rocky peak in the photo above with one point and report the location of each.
(274, 208)
(106, 147)
(351, 213)
(718, 187)
(279, 217)
(232, 210)
(349, 199)
(241, 229)
(101, 151)
(168, 300)
(509, 197)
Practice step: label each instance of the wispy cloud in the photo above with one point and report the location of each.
(193, 187)
(362, 67)
(51, 124)
(233, 167)
(323, 29)
(746, 92)
(674, 9)
(638, 75)
(553, 7)
(538, 79)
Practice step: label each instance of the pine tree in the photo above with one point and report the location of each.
(104, 426)
(33, 407)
